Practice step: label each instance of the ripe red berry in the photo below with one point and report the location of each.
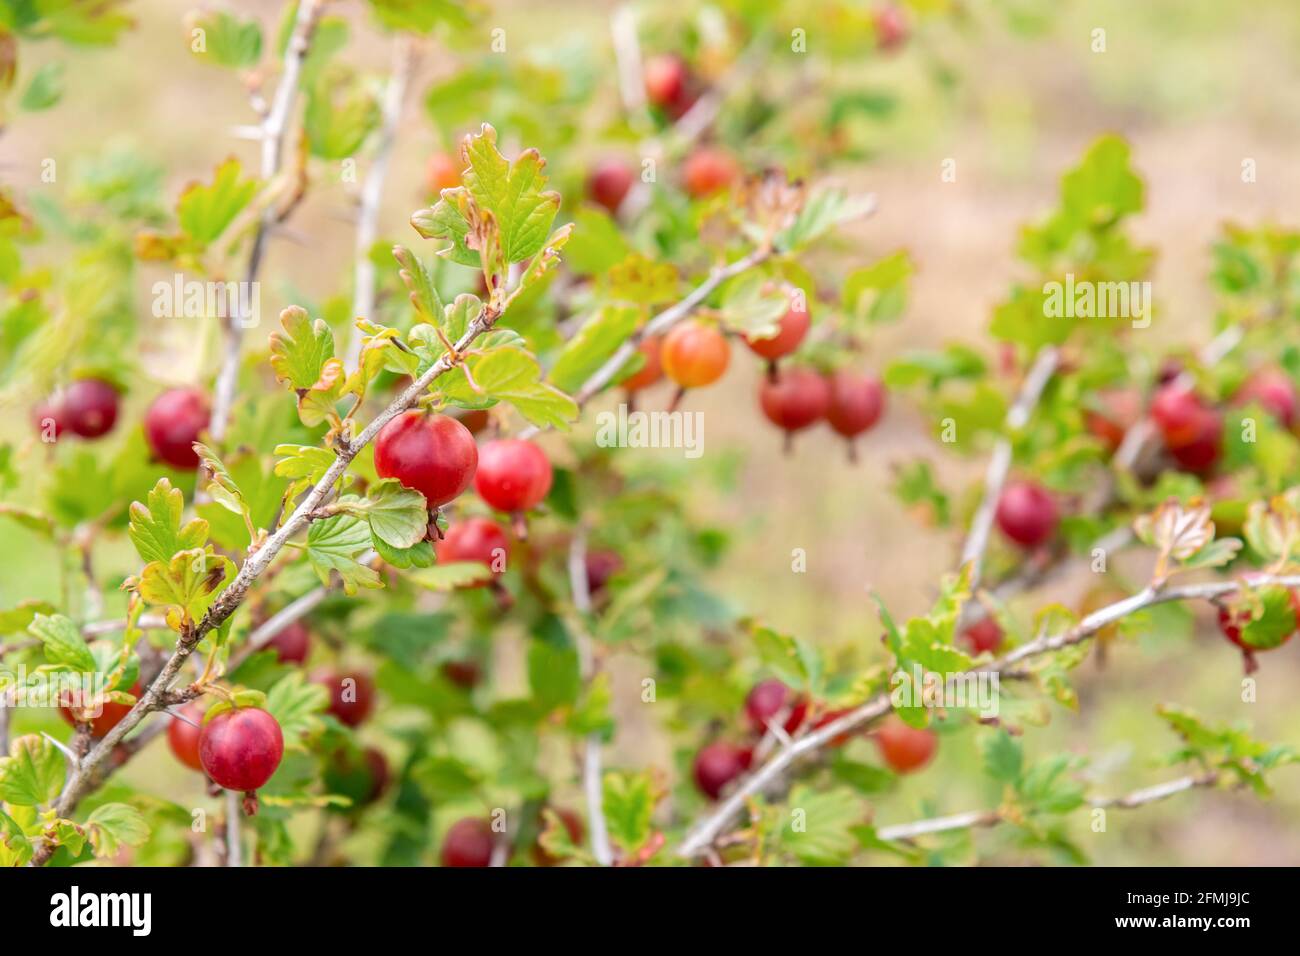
(1117, 411)
(433, 454)
(983, 635)
(442, 172)
(1192, 430)
(352, 695)
(717, 765)
(172, 425)
(709, 170)
(572, 823)
(183, 737)
(1273, 391)
(695, 354)
(468, 843)
(110, 715)
(891, 27)
(768, 699)
(462, 673)
(609, 183)
(651, 370)
(857, 402)
(90, 407)
(839, 740)
(513, 475)
(903, 748)
(1237, 614)
(601, 566)
(292, 644)
(1026, 513)
(240, 749)
(49, 415)
(791, 329)
(795, 398)
(476, 539)
(475, 419)
(665, 79)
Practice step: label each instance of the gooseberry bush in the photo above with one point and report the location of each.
(371, 572)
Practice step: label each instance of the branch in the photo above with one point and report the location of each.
(272, 136)
(991, 818)
(708, 829)
(228, 601)
(592, 776)
(627, 58)
(372, 193)
(1045, 364)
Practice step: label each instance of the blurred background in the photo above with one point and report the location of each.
(1013, 93)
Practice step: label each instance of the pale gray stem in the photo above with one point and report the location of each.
(372, 193)
(592, 774)
(234, 839)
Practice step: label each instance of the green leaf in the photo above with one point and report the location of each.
(1103, 188)
(510, 375)
(297, 704)
(592, 345)
(878, 293)
(934, 368)
(228, 40)
(512, 193)
(33, 772)
(629, 803)
(341, 113)
(155, 527)
(817, 828)
(1274, 620)
(1003, 756)
(204, 212)
(113, 825)
(419, 556)
(63, 643)
(446, 778)
(451, 575)
(15, 619)
(186, 585)
(15, 848)
(45, 88)
(752, 305)
(303, 352)
(303, 461)
(397, 514)
(1045, 786)
(597, 244)
(820, 214)
(333, 544)
(416, 278)
(553, 673)
(795, 662)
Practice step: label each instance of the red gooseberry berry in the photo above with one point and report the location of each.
(476, 539)
(441, 172)
(709, 170)
(292, 644)
(468, 842)
(1026, 513)
(695, 354)
(769, 699)
(1269, 388)
(665, 79)
(173, 423)
(241, 748)
(1236, 615)
(513, 475)
(856, 404)
(183, 734)
(903, 748)
(609, 183)
(651, 369)
(1115, 412)
(110, 715)
(717, 764)
(572, 823)
(352, 695)
(432, 454)
(89, 407)
(791, 329)
(983, 635)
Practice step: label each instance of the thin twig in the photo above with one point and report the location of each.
(272, 137)
(592, 775)
(234, 839)
(710, 826)
(372, 192)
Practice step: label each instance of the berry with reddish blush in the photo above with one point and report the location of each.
(240, 749)
(609, 183)
(49, 415)
(468, 843)
(790, 331)
(183, 735)
(857, 402)
(572, 823)
(1026, 513)
(794, 399)
(839, 740)
(475, 419)
(432, 454)
(905, 749)
(292, 644)
(476, 539)
(891, 27)
(709, 170)
(352, 695)
(695, 354)
(441, 172)
(1192, 430)
(651, 369)
(1271, 390)
(601, 566)
(110, 715)
(983, 635)
(1237, 614)
(360, 775)
(172, 425)
(89, 407)
(513, 475)
(1116, 411)
(717, 765)
(464, 674)
(770, 698)
(665, 79)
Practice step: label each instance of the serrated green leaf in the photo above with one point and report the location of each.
(33, 772)
(817, 828)
(333, 544)
(629, 803)
(297, 704)
(509, 375)
(63, 643)
(592, 345)
(397, 514)
(156, 527)
(303, 352)
(228, 41)
(113, 825)
(204, 212)
(553, 673)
